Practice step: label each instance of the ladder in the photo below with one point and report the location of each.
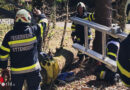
(112, 31)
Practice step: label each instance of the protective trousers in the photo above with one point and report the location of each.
(33, 81)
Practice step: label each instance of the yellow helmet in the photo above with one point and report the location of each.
(23, 16)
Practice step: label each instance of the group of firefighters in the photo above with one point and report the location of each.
(22, 46)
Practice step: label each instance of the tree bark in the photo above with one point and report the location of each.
(64, 57)
(65, 26)
(122, 13)
(103, 15)
(54, 14)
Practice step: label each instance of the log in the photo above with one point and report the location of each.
(62, 59)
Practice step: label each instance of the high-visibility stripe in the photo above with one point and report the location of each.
(112, 54)
(73, 26)
(122, 70)
(86, 18)
(73, 29)
(43, 20)
(90, 36)
(23, 44)
(24, 68)
(93, 16)
(37, 67)
(102, 75)
(4, 58)
(125, 84)
(22, 41)
(90, 17)
(41, 28)
(5, 49)
(78, 39)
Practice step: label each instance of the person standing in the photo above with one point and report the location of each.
(21, 46)
(78, 30)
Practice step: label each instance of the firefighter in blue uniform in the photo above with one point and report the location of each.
(78, 30)
(20, 45)
(103, 73)
(123, 62)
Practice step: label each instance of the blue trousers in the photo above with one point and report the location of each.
(33, 80)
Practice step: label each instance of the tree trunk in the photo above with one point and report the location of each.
(64, 57)
(122, 13)
(65, 26)
(103, 15)
(54, 14)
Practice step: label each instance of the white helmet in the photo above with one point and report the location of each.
(82, 5)
(23, 16)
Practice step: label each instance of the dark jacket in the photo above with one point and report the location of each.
(113, 46)
(21, 45)
(78, 30)
(123, 63)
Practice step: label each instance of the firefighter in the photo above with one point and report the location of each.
(123, 62)
(20, 45)
(103, 73)
(78, 30)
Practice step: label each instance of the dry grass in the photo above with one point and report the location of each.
(4, 28)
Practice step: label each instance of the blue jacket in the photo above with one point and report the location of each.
(21, 46)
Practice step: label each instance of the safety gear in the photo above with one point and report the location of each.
(50, 68)
(123, 62)
(33, 80)
(113, 46)
(103, 73)
(81, 4)
(23, 16)
(78, 30)
(21, 45)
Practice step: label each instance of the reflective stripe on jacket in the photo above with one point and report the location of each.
(21, 46)
(123, 63)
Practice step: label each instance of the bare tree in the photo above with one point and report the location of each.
(65, 26)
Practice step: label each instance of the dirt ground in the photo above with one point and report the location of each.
(84, 74)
